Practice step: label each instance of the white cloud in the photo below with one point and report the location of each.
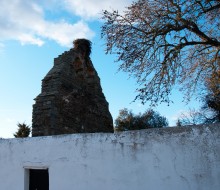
(29, 39)
(23, 20)
(64, 33)
(88, 9)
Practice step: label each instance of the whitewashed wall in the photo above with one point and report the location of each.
(156, 159)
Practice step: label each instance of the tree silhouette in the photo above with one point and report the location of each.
(165, 43)
(129, 121)
(23, 130)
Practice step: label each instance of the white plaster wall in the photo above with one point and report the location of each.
(155, 159)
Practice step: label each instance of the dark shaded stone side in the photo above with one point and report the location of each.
(71, 99)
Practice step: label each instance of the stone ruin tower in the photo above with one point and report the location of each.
(71, 99)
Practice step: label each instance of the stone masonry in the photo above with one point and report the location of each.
(71, 99)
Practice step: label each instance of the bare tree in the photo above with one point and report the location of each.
(163, 43)
(210, 110)
(195, 117)
(211, 100)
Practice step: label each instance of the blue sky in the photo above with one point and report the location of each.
(34, 32)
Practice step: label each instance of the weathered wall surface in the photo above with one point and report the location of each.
(71, 99)
(156, 159)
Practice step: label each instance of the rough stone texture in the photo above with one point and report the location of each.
(71, 100)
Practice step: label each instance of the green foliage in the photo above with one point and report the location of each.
(129, 121)
(23, 130)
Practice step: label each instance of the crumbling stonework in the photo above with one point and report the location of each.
(71, 100)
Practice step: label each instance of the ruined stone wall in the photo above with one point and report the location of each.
(71, 100)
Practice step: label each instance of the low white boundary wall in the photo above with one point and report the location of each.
(186, 158)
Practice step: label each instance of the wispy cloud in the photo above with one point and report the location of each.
(91, 9)
(24, 20)
(63, 32)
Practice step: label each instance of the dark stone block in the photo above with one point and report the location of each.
(71, 99)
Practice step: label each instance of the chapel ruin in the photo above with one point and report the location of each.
(71, 98)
